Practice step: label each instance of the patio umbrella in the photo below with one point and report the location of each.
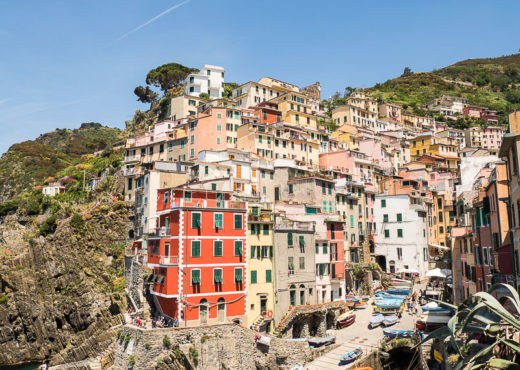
(436, 273)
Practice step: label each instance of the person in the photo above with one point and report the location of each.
(176, 322)
(44, 366)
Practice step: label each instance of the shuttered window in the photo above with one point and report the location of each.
(217, 248)
(268, 277)
(195, 277)
(289, 239)
(217, 276)
(195, 248)
(238, 275)
(218, 220)
(238, 248)
(238, 222)
(195, 220)
(253, 276)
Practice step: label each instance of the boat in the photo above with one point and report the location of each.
(400, 282)
(390, 320)
(360, 305)
(296, 367)
(365, 298)
(428, 323)
(262, 339)
(388, 296)
(398, 333)
(345, 319)
(402, 291)
(351, 356)
(432, 294)
(376, 320)
(324, 341)
(433, 308)
(351, 298)
(388, 303)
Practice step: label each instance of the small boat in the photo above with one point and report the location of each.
(346, 319)
(360, 305)
(351, 298)
(428, 323)
(401, 291)
(325, 341)
(388, 303)
(433, 308)
(365, 298)
(351, 356)
(398, 333)
(390, 320)
(376, 320)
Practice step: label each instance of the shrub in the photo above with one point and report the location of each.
(147, 346)
(3, 298)
(166, 341)
(8, 206)
(77, 222)
(49, 226)
(131, 360)
(194, 354)
(127, 338)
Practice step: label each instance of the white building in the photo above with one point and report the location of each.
(401, 237)
(53, 189)
(209, 80)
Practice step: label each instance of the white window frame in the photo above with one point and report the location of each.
(191, 277)
(218, 213)
(241, 223)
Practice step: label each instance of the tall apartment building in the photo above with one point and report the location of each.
(209, 80)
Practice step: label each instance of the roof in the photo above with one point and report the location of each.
(507, 141)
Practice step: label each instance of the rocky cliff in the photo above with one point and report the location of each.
(60, 294)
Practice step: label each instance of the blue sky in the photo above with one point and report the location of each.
(64, 62)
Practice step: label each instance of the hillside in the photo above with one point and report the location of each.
(29, 163)
(492, 82)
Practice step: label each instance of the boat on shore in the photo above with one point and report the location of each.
(360, 305)
(346, 319)
(428, 323)
(398, 290)
(390, 320)
(398, 333)
(376, 320)
(324, 341)
(351, 356)
(434, 308)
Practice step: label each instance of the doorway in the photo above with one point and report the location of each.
(263, 304)
(221, 310)
(203, 311)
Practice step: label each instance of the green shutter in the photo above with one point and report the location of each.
(254, 211)
(195, 277)
(253, 277)
(351, 221)
(195, 220)
(253, 229)
(238, 221)
(252, 251)
(238, 248)
(268, 276)
(258, 251)
(217, 248)
(385, 218)
(217, 276)
(238, 275)
(271, 251)
(399, 217)
(383, 203)
(266, 229)
(399, 233)
(217, 218)
(387, 233)
(302, 241)
(195, 248)
(289, 239)
(213, 186)
(161, 279)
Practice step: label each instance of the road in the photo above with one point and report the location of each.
(358, 335)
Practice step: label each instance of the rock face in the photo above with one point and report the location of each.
(226, 346)
(60, 295)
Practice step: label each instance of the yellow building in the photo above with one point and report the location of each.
(347, 135)
(260, 265)
(429, 144)
(295, 109)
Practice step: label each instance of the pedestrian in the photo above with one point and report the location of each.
(176, 322)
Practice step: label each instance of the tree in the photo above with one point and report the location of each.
(228, 91)
(145, 94)
(204, 96)
(168, 75)
(349, 90)
(407, 72)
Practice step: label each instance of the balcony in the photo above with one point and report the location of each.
(207, 203)
(266, 217)
(161, 231)
(131, 158)
(169, 261)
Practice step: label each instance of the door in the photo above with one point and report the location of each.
(220, 203)
(263, 304)
(239, 171)
(276, 194)
(221, 307)
(203, 311)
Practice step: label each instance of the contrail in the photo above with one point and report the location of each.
(153, 19)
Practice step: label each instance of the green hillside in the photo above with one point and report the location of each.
(29, 163)
(491, 82)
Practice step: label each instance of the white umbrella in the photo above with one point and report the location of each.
(407, 271)
(435, 273)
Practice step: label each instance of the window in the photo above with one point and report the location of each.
(218, 221)
(399, 233)
(265, 229)
(385, 218)
(195, 248)
(325, 251)
(290, 265)
(351, 220)
(217, 276)
(383, 203)
(195, 277)
(238, 248)
(317, 246)
(253, 276)
(387, 233)
(195, 220)
(302, 263)
(238, 275)
(289, 239)
(399, 253)
(268, 277)
(238, 222)
(217, 248)
(192, 139)
(399, 217)
(290, 188)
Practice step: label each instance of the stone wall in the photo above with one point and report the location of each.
(135, 274)
(227, 346)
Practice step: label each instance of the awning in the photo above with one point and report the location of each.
(439, 246)
(440, 273)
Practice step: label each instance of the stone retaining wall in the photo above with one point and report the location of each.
(226, 346)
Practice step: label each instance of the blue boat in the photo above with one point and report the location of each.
(350, 356)
(390, 320)
(376, 320)
(386, 295)
(434, 309)
(391, 303)
(398, 333)
(402, 291)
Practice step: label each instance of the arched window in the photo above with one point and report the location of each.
(221, 310)
(203, 311)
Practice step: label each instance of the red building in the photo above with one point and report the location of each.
(337, 258)
(482, 113)
(198, 256)
(268, 112)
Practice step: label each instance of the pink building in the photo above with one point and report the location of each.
(491, 137)
(373, 150)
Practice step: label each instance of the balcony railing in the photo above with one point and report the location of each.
(170, 260)
(208, 203)
(162, 231)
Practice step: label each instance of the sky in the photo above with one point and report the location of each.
(66, 62)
